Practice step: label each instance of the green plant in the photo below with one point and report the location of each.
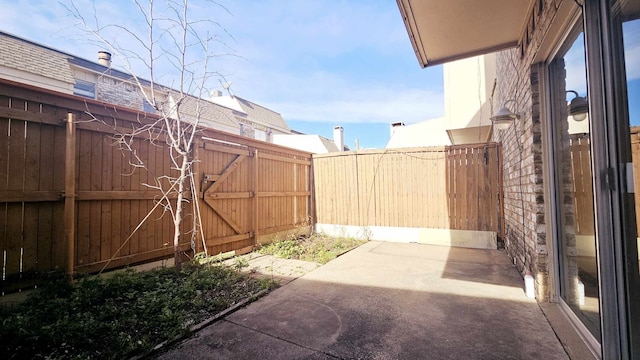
(119, 316)
(289, 248)
(320, 248)
(240, 263)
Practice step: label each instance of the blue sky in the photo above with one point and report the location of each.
(577, 76)
(318, 63)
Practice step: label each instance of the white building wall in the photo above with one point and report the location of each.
(309, 143)
(425, 133)
(468, 84)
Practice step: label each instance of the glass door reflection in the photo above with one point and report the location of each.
(574, 185)
(626, 23)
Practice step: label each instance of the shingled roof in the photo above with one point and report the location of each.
(42, 61)
(262, 115)
(210, 113)
(33, 58)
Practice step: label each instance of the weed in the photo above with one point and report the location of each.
(119, 317)
(320, 248)
(240, 263)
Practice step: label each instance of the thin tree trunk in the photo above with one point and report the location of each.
(178, 218)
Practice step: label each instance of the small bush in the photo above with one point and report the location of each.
(121, 316)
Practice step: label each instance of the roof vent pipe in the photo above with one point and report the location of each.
(104, 58)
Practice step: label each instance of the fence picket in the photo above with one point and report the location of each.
(424, 187)
(32, 164)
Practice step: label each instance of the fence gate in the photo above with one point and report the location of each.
(228, 191)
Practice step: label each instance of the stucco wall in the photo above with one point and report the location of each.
(525, 237)
(467, 88)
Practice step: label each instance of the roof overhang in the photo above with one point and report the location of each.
(443, 31)
(470, 135)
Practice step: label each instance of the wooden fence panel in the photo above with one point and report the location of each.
(447, 188)
(113, 194)
(583, 181)
(635, 155)
(29, 230)
(582, 185)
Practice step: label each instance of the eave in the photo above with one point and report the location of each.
(443, 31)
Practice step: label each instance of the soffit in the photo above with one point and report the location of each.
(470, 135)
(442, 31)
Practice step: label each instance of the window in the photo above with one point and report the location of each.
(147, 107)
(84, 89)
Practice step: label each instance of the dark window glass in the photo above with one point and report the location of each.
(84, 89)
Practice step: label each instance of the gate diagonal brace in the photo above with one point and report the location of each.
(217, 180)
(224, 215)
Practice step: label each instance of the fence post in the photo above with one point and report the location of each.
(196, 193)
(70, 191)
(312, 197)
(501, 194)
(255, 197)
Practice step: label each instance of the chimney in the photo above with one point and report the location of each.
(338, 137)
(394, 126)
(104, 58)
(216, 93)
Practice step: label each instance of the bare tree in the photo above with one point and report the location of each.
(175, 45)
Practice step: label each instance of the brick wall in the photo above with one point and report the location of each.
(118, 92)
(525, 233)
(249, 127)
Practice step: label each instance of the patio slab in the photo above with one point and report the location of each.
(388, 301)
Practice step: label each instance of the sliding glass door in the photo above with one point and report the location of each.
(594, 130)
(625, 53)
(592, 102)
(571, 140)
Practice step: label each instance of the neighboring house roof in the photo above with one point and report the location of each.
(41, 60)
(39, 65)
(32, 58)
(253, 112)
(424, 133)
(101, 69)
(262, 115)
(329, 144)
(311, 143)
(209, 112)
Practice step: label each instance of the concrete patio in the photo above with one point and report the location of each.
(388, 301)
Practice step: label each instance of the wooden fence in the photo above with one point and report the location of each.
(452, 187)
(583, 180)
(70, 198)
(582, 184)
